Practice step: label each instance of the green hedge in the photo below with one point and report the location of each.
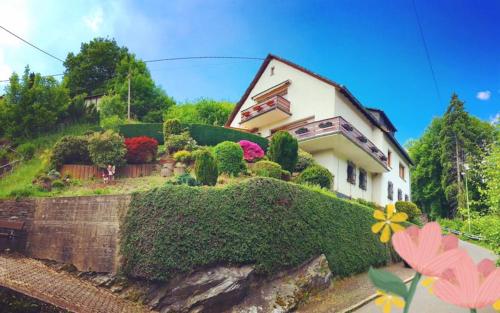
(262, 221)
(205, 135)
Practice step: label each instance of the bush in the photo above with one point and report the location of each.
(268, 169)
(58, 184)
(410, 209)
(70, 150)
(183, 179)
(316, 175)
(178, 142)
(229, 157)
(111, 123)
(204, 135)
(27, 150)
(107, 148)
(304, 160)
(283, 150)
(183, 156)
(141, 149)
(171, 127)
(23, 192)
(270, 223)
(251, 151)
(205, 168)
(370, 204)
(286, 175)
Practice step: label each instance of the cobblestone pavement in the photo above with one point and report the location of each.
(38, 281)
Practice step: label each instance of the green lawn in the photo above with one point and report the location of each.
(23, 174)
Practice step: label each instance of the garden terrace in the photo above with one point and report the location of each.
(338, 133)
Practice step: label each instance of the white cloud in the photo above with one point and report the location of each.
(14, 15)
(5, 69)
(94, 20)
(484, 95)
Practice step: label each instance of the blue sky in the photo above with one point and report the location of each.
(372, 47)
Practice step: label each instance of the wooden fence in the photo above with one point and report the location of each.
(91, 171)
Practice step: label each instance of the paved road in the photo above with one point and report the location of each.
(36, 280)
(424, 302)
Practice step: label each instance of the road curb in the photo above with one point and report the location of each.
(368, 299)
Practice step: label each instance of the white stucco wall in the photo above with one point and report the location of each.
(308, 95)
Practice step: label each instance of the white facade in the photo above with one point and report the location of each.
(311, 99)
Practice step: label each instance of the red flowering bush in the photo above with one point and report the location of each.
(141, 149)
(251, 151)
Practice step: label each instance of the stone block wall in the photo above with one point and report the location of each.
(83, 231)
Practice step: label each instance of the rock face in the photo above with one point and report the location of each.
(213, 290)
(237, 290)
(285, 291)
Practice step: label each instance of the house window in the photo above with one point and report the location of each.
(272, 70)
(362, 179)
(389, 158)
(400, 195)
(401, 171)
(390, 190)
(407, 198)
(351, 173)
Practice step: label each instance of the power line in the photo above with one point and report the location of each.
(29, 43)
(204, 57)
(8, 80)
(427, 54)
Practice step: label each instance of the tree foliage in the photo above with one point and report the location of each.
(32, 105)
(202, 111)
(283, 149)
(205, 168)
(440, 154)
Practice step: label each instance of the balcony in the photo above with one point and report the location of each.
(266, 112)
(338, 134)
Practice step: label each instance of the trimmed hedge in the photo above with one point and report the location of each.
(410, 209)
(70, 150)
(205, 168)
(205, 135)
(268, 169)
(229, 158)
(263, 221)
(283, 150)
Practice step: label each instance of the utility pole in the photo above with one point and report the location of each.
(466, 168)
(128, 100)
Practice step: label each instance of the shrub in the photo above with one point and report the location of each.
(270, 223)
(205, 168)
(58, 184)
(229, 157)
(286, 175)
(183, 156)
(23, 192)
(316, 175)
(410, 209)
(70, 150)
(111, 123)
(180, 142)
(183, 179)
(267, 169)
(283, 150)
(304, 160)
(251, 151)
(171, 127)
(141, 149)
(107, 148)
(204, 135)
(370, 204)
(27, 150)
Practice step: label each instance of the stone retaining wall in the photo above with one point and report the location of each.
(83, 231)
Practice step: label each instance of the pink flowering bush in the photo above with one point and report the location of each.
(251, 151)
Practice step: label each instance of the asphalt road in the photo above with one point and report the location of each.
(424, 302)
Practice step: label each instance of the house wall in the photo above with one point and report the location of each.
(337, 165)
(302, 92)
(311, 97)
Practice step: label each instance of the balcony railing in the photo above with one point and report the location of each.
(338, 125)
(274, 103)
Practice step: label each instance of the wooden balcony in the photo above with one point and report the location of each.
(267, 112)
(338, 134)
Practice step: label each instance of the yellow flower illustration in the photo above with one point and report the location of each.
(387, 222)
(496, 305)
(387, 301)
(428, 283)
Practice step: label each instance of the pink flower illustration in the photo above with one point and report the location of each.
(426, 250)
(470, 286)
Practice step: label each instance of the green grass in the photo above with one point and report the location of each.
(23, 174)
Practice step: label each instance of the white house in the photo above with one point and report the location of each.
(355, 143)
